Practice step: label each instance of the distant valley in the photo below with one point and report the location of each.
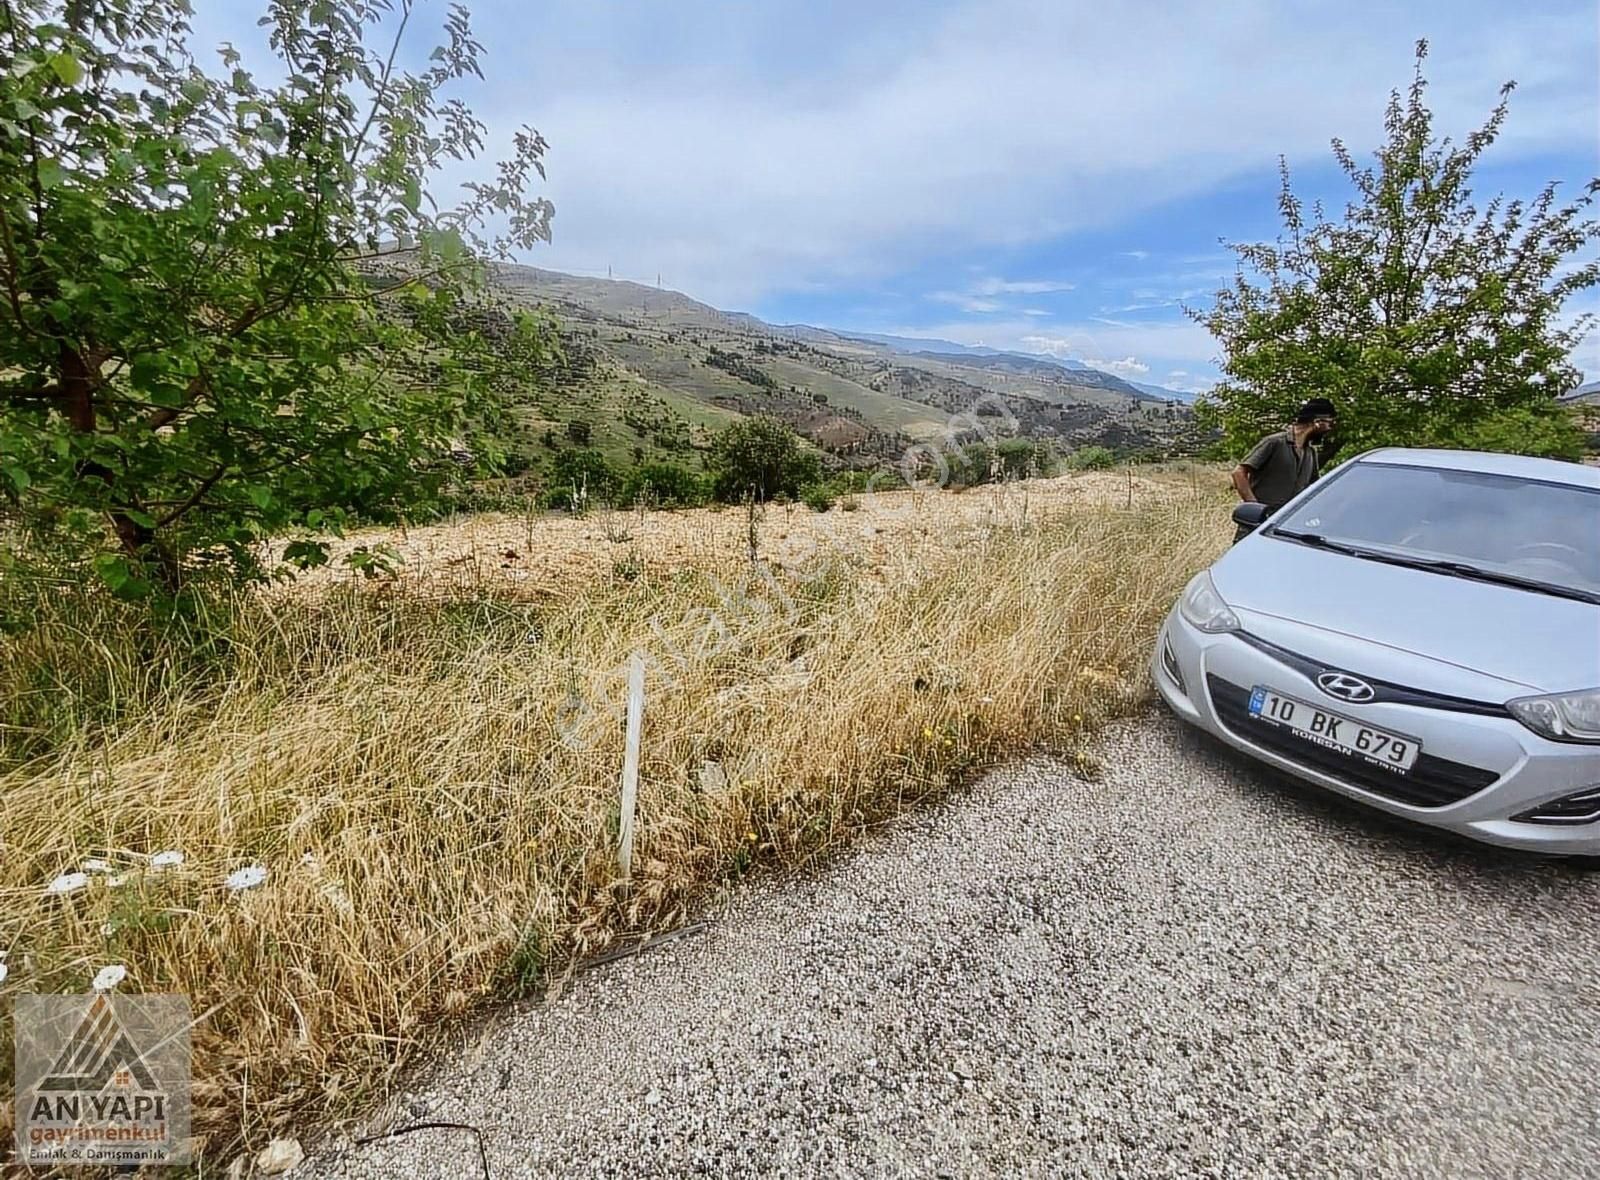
(649, 374)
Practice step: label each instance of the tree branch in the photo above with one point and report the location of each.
(383, 85)
(13, 274)
(198, 383)
(193, 501)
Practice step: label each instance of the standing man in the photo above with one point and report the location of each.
(1283, 464)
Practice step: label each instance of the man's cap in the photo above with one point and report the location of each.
(1317, 407)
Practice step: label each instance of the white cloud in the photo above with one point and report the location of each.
(964, 302)
(1136, 255)
(1071, 347)
(1185, 382)
(732, 187)
(982, 296)
(993, 286)
(740, 149)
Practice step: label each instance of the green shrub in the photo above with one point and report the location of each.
(761, 457)
(973, 464)
(578, 478)
(817, 497)
(1022, 457)
(879, 479)
(1091, 459)
(666, 484)
(1548, 431)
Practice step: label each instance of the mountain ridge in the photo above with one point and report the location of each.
(649, 374)
(915, 344)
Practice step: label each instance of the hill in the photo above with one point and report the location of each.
(931, 344)
(649, 374)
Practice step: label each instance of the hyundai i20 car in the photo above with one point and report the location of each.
(1418, 630)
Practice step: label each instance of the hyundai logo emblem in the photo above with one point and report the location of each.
(1345, 687)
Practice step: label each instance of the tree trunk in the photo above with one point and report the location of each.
(78, 380)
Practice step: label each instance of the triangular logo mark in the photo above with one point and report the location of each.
(99, 1051)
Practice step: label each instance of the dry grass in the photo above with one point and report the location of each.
(541, 554)
(431, 779)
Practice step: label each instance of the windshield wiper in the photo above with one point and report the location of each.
(1457, 569)
(1476, 573)
(1318, 541)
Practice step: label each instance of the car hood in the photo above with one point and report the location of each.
(1521, 637)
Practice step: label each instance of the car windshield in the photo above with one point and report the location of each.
(1523, 530)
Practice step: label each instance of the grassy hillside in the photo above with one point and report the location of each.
(652, 374)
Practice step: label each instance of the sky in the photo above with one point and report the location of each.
(1050, 176)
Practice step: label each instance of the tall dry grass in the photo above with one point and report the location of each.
(432, 785)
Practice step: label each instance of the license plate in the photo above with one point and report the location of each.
(1333, 731)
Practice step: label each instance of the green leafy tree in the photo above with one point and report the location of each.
(578, 477)
(1423, 317)
(1092, 459)
(1550, 430)
(664, 484)
(973, 464)
(761, 457)
(208, 335)
(1021, 457)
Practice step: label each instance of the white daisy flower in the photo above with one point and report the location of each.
(107, 929)
(67, 883)
(109, 977)
(170, 859)
(246, 878)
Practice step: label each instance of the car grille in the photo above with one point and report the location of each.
(1432, 782)
(1383, 690)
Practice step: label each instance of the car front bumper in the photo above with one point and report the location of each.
(1529, 770)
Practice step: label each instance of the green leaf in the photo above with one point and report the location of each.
(306, 554)
(411, 196)
(112, 569)
(66, 68)
(146, 370)
(258, 494)
(447, 244)
(18, 477)
(24, 108)
(51, 174)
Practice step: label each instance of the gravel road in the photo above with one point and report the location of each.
(1189, 967)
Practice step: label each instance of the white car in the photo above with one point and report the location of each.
(1418, 630)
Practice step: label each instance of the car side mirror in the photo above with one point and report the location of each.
(1250, 514)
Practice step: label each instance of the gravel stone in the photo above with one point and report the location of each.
(1192, 967)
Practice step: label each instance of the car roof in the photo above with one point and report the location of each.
(1517, 466)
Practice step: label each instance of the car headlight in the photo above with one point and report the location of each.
(1561, 716)
(1203, 607)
